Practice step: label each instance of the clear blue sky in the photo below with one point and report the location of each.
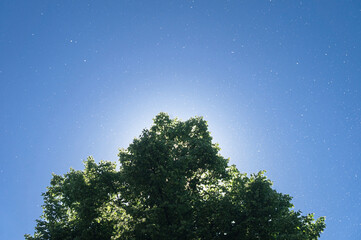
(278, 82)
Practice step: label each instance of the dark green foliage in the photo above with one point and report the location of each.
(172, 184)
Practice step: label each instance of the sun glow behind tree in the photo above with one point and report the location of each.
(278, 82)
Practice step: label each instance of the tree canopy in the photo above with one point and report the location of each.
(172, 183)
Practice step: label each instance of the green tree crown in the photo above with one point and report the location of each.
(172, 184)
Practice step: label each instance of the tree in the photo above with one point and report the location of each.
(172, 184)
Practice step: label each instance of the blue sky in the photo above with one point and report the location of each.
(278, 82)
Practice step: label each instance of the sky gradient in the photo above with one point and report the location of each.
(278, 82)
